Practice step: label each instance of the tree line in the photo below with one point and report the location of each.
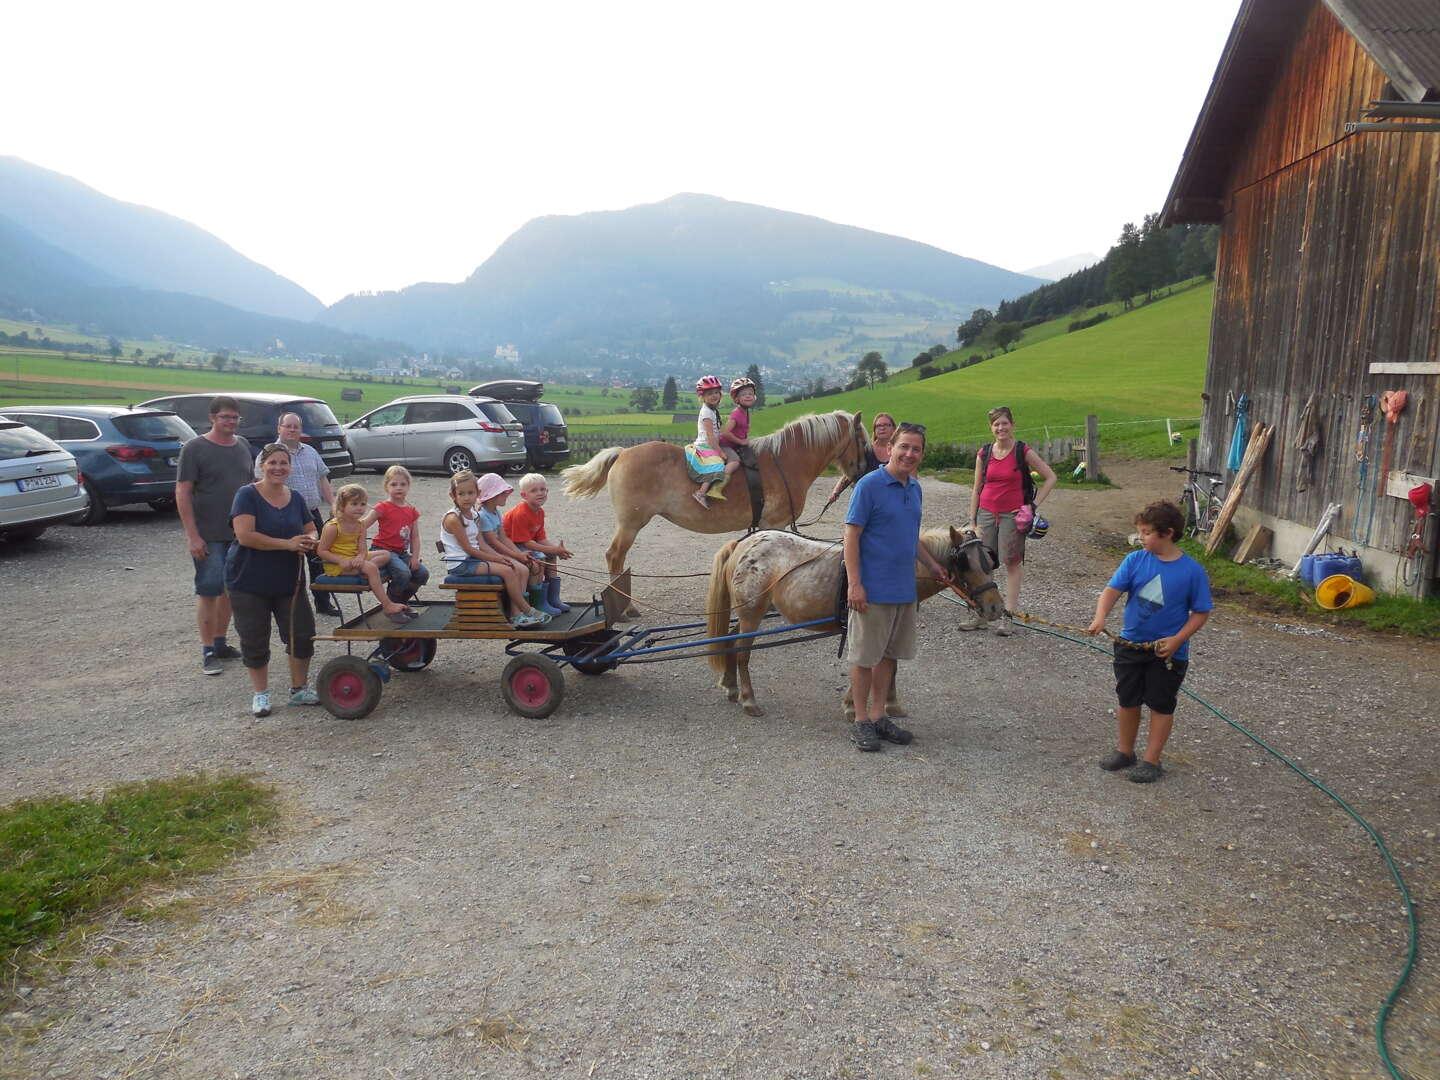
(1143, 261)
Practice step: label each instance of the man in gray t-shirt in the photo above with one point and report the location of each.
(213, 467)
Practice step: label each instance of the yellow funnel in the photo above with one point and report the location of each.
(1342, 591)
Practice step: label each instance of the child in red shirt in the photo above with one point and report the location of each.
(399, 534)
(736, 432)
(524, 524)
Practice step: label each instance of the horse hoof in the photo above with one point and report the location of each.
(895, 711)
(731, 695)
(754, 710)
(630, 614)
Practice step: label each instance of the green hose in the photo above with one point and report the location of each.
(1384, 1015)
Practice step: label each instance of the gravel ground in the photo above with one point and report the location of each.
(650, 884)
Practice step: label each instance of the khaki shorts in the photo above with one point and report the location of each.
(881, 632)
(1000, 536)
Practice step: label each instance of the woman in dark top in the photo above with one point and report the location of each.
(273, 531)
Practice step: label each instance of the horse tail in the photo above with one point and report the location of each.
(583, 481)
(717, 603)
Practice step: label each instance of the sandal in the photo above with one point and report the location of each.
(704, 505)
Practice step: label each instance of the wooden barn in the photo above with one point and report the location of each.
(1317, 152)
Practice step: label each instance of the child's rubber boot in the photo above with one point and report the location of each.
(536, 595)
(719, 486)
(552, 596)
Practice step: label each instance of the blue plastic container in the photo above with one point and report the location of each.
(1329, 564)
(1307, 570)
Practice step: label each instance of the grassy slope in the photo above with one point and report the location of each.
(1148, 364)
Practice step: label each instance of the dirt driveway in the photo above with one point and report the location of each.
(650, 884)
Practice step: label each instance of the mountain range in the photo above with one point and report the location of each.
(691, 272)
(692, 276)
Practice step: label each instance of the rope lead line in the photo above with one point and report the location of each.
(1383, 1016)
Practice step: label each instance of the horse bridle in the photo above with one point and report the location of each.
(957, 560)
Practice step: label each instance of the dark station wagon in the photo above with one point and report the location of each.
(260, 415)
(547, 437)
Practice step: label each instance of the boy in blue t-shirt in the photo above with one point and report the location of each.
(1168, 602)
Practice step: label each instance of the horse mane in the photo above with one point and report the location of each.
(937, 541)
(812, 429)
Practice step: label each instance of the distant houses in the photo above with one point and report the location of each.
(1317, 152)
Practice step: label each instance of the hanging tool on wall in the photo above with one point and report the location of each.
(1363, 491)
(1412, 563)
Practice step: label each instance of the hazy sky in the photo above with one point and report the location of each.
(354, 146)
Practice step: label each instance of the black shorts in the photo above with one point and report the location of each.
(253, 615)
(1142, 678)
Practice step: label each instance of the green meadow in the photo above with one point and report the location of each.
(1132, 371)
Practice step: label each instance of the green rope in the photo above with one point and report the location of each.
(1384, 1015)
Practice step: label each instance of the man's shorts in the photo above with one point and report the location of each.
(881, 632)
(1000, 536)
(1141, 678)
(210, 571)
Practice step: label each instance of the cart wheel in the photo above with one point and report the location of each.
(533, 685)
(408, 654)
(348, 688)
(579, 646)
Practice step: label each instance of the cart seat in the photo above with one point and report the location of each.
(472, 579)
(340, 583)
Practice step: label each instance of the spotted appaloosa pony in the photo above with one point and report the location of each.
(801, 579)
(652, 480)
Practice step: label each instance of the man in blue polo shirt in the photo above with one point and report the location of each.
(882, 541)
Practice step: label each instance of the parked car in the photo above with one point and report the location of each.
(125, 455)
(39, 482)
(259, 416)
(438, 432)
(547, 437)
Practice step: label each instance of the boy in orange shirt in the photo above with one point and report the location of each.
(524, 524)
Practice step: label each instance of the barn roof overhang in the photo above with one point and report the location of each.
(1401, 36)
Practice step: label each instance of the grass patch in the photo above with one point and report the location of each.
(63, 860)
(1281, 595)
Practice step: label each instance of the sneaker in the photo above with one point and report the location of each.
(304, 695)
(888, 730)
(260, 704)
(977, 623)
(1001, 628)
(225, 652)
(326, 605)
(865, 736)
(1147, 772)
(1117, 761)
(208, 664)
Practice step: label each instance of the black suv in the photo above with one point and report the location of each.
(259, 416)
(547, 439)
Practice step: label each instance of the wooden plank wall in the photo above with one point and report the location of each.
(1329, 260)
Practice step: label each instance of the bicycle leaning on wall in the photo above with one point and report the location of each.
(1200, 500)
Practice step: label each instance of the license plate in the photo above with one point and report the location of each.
(172, 461)
(35, 483)
(330, 444)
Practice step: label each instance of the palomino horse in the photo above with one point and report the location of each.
(800, 577)
(652, 479)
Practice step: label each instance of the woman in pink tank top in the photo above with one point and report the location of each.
(995, 502)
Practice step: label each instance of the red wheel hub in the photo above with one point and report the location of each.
(346, 688)
(530, 687)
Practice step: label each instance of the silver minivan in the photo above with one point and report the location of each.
(438, 432)
(39, 483)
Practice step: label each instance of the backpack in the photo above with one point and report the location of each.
(1027, 482)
